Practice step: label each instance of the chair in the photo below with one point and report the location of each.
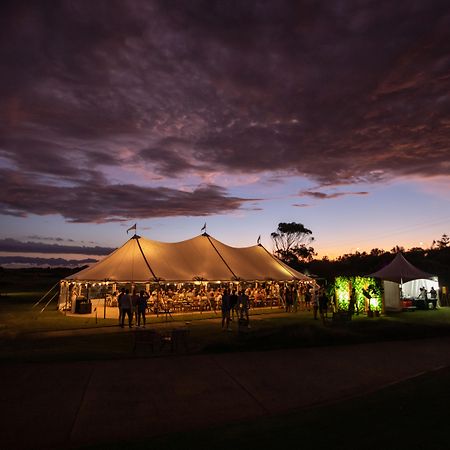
(177, 339)
(146, 338)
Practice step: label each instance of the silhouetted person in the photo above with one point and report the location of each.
(308, 299)
(433, 297)
(323, 304)
(288, 299)
(244, 304)
(315, 303)
(352, 303)
(226, 305)
(233, 304)
(142, 307)
(119, 300)
(125, 306)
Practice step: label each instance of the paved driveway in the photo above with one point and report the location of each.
(56, 405)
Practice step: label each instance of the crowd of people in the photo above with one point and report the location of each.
(432, 298)
(132, 306)
(233, 302)
(204, 298)
(235, 305)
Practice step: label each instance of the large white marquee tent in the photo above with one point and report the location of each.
(200, 259)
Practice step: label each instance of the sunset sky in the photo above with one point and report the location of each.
(240, 114)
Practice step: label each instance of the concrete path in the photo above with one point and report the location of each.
(60, 405)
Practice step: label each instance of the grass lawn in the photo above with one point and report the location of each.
(410, 415)
(26, 334)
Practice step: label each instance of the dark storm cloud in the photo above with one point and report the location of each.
(338, 92)
(323, 195)
(49, 238)
(168, 156)
(99, 202)
(15, 246)
(29, 261)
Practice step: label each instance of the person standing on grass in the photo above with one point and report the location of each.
(323, 304)
(315, 302)
(134, 305)
(125, 306)
(226, 304)
(288, 296)
(352, 303)
(244, 303)
(233, 304)
(433, 297)
(142, 307)
(295, 298)
(307, 297)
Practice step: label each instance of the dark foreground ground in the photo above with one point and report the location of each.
(260, 399)
(288, 381)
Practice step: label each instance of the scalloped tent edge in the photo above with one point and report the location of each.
(201, 258)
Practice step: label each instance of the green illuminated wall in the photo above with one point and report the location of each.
(343, 285)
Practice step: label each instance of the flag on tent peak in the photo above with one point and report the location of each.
(132, 228)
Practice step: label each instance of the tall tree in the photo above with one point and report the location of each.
(441, 243)
(291, 243)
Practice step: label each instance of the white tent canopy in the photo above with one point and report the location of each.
(201, 258)
(401, 272)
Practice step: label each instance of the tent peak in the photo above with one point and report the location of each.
(400, 270)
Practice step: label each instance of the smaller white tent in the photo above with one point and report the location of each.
(401, 278)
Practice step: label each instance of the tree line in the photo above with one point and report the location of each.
(292, 243)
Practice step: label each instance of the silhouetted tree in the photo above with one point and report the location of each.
(291, 243)
(441, 243)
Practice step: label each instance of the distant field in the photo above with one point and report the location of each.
(18, 283)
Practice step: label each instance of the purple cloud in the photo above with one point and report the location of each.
(338, 93)
(323, 195)
(100, 202)
(29, 261)
(15, 246)
(37, 237)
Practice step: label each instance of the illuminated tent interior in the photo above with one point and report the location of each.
(200, 259)
(401, 277)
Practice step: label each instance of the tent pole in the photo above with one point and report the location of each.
(104, 304)
(221, 257)
(67, 295)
